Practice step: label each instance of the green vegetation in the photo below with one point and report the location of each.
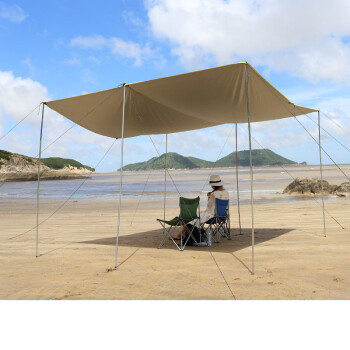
(176, 161)
(5, 155)
(200, 163)
(59, 163)
(260, 157)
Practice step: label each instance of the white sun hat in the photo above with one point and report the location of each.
(215, 181)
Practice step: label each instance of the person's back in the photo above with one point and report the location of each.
(223, 194)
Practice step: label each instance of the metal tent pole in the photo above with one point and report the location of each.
(38, 189)
(238, 206)
(121, 180)
(251, 165)
(165, 170)
(320, 149)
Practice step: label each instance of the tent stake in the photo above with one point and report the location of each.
(320, 150)
(238, 206)
(165, 169)
(121, 180)
(251, 167)
(38, 188)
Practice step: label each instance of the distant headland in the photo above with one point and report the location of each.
(17, 167)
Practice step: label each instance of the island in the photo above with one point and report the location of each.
(260, 157)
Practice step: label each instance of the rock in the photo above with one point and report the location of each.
(304, 185)
(332, 188)
(343, 190)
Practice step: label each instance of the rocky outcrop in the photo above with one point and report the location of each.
(16, 167)
(74, 170)
(305, 185)
(308, 186)
(343, 190)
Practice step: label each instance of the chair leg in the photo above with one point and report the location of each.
(162, 241)
(222, 229)
(167, 232)
(215, 229)
(189, 235)
(228, 225)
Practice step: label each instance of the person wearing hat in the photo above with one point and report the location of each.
(218, 192)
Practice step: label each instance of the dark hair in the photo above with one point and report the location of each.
(216, 188)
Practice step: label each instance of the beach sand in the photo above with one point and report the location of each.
(77, 247)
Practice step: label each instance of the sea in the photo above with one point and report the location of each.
(268, 185)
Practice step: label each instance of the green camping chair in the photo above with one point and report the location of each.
(189, 210)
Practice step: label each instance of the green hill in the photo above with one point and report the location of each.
(174, 161)
(177, 161)
(260, 157)
(200, 163)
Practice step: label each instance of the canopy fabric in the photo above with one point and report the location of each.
(180, 103)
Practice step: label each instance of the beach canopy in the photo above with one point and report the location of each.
(230, 94)
(180, 103)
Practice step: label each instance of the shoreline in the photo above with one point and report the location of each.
(34, 177)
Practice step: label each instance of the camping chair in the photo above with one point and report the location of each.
(189, 210)
(220, 223)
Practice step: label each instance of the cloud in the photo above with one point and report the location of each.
(308, 39)
(96, 42)
(73, 61)
(13, 13)
(19, 95)
(28, 63)
(131, 18)
(117, 46)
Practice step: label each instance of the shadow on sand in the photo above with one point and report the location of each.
(151, 239)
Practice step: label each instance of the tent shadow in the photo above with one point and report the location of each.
(151, 239)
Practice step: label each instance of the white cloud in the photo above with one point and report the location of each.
(28, 63)
(306, 38)
(131, 18)
(13, 13)
(90, 42)
(117, 47)
(18, 96)
(73, 61)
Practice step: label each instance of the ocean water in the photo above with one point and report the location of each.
(268, 182)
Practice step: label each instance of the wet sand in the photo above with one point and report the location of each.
(77, 245)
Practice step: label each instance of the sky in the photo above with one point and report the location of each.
(56, 49)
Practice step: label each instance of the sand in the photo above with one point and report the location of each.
(77, 246)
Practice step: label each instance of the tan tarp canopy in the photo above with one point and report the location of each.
(179, 103)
